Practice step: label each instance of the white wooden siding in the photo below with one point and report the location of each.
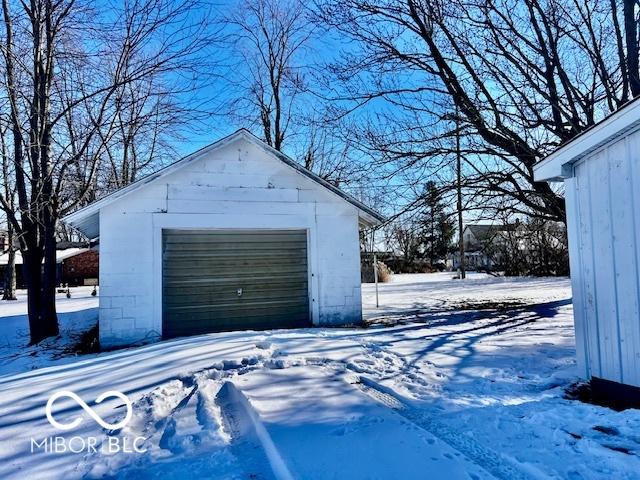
(603, 208)
(577, 277)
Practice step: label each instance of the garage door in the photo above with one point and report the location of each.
(233, 280)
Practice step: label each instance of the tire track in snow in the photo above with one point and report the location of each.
(249, 438)
(168, 424)
(495, 463)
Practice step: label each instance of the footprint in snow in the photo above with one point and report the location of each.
(607, 430)
(263, 345)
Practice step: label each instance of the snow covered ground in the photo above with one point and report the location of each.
(75, 315)
(455, 380)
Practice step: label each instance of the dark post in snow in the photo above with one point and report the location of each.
(459, 202)
(375, 264)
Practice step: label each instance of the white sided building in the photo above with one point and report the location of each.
(235, 236)
(601, 173)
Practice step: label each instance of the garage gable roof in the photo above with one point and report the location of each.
(87, 220)
(558, 165)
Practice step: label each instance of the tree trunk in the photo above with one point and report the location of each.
(50, 273)
(631, 37)
(41, 293)
(10, 271)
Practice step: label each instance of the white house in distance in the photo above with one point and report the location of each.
(235, 236)
(601, 174)
(483, 245)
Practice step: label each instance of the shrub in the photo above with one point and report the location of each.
(86, 342)
(366, 270)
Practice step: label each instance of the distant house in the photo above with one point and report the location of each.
(483, 245)
(77, 264)
(78, 267)
(519, 248)
(601, 173)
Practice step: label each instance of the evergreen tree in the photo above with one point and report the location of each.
(437, 226)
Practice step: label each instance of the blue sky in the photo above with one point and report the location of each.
(218, 85)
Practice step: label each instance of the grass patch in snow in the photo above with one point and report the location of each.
(498, 306)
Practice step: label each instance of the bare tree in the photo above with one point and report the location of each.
(64, 68)
(324, 152)
(531, 247)
(524, 75)
(149, 122)
(629, 60)
(270, 37)
(406, 240)
(9, 292)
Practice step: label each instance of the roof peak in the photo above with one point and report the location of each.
(79, 217)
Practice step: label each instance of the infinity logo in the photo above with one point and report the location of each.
(89, 410)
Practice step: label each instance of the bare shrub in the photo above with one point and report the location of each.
(366, 269)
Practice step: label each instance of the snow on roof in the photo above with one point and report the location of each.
(486, 232)
(60, 255)
(87, 221)
(558, 165)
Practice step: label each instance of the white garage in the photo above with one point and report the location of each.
(235, 236)
(601, 174)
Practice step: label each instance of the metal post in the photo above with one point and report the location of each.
(375, 264)
(459, 202)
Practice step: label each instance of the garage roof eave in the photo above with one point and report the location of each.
(367, 220)
(88, 225)
(559, 165)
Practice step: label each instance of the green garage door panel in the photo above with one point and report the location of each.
(215, 281)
